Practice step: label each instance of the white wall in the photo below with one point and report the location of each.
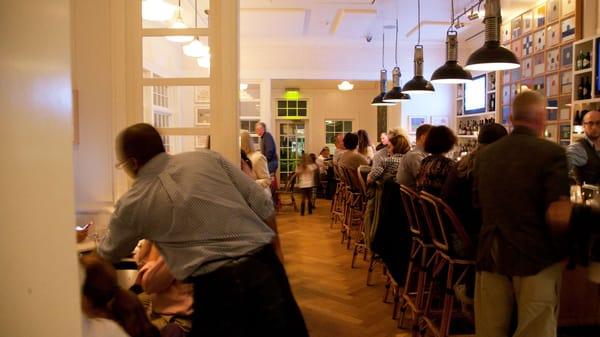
(37, 248)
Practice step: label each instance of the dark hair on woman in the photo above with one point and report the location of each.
(350, 141)
(140, 141)
(103, 293)
(313, 157)
(245, 158)
(399, 144)
(363, 141)
(440, 139)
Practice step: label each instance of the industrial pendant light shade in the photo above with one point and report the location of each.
(179, 24)
(196, 48)
(395, 94)
(378, 100)
(492, 56)
(451, 72)
(418, 84)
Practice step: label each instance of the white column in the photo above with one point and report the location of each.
(224, 72)
(39, 287)
(266, 114)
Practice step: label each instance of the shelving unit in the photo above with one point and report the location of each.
(588, 45)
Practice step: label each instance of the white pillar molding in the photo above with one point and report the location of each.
(224, 31)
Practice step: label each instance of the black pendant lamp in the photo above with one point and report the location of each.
(395, 95)
(451, 72)
(378, 100)
(418, 84)
(492, 56)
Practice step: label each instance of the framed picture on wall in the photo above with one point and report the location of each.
(505, 38)
(528, 45)
(527, 19)
(526, 67)
(515, 75)
(539, 85)
(540, 16)
(565, 131)
(539, 65)
(439, 120)
(566, 85)
(539, 40)
(515, 46)
(552, 10)
(202, 115)
(506, 94)
(202, 142)
(202, 94)
(552, 85)
(552, 35)
(552, 60)
(566, 53)
(414, 121)
(505, 114)
(552, 113)
(567, 29)
(515, 25)
(567, 7)
(564, 111)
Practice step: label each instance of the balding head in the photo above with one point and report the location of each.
(137, 145)
(529, 110)
(591, 125)
(260, 128)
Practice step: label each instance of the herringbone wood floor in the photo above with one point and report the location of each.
(334, 298)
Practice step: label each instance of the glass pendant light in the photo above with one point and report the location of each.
(157, 10)
(492, 56)
(395, 94)
(204, 62)
(179, 24)
(196, 48)
(378, 100)
(418, 84)
(451, 72)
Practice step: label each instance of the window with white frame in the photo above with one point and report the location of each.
(162, 120)
(333, 128)
(250, 126)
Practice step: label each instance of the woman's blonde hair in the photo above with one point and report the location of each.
(246, 144)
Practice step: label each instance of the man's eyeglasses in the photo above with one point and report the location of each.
(596, 123)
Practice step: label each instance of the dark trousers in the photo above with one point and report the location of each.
(248, 297)
(306, 196)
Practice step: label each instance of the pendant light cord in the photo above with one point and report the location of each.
(195, 13)
(396, 51)
(451, 28)
(383, 49)
(419, 17)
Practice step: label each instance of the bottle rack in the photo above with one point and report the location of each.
(588, 96)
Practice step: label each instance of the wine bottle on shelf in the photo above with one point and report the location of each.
(580, 89)
(587, 89)
(579, 63)
(586, 62)
(577, 118)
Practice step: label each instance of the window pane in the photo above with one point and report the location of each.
(339, 126)
(302, 104)
(302, 112)
(179, 144)
(292, 104)
(184, 106)
(281, 112)
(164, 58)
(167, 13)
(347, 126)
(281, 104)
(329, 127)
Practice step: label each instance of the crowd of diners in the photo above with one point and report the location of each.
(204, 230)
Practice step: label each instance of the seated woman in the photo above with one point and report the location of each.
(397, 146)
(108, 309)
(167, 300)
(365, 147)
(436, 167)
(260, 167)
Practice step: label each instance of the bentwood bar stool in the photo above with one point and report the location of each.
(448, 266)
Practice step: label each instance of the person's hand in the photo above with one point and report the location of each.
(81, 235)
(558, 216)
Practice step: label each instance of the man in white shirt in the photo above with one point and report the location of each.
(214, 227)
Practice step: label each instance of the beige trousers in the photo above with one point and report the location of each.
(537, 299)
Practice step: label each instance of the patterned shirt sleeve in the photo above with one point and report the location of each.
(576, 155)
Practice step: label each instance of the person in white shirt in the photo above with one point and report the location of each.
(323, 160)
(305, 173)
(260, 169)
(214, 227)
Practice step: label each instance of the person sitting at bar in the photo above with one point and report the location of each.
(108, 309)
(436, 167)
(519, 261)
(339, 148)
(410, 164)
(214, 227)
(364, 145)
(584, 154)
(167, 300)
(351, 159)
(458, 188)
(259, 166)
(398, 146)
(383, 141)
(385, 152)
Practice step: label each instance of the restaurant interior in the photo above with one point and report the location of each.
(202, 72)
